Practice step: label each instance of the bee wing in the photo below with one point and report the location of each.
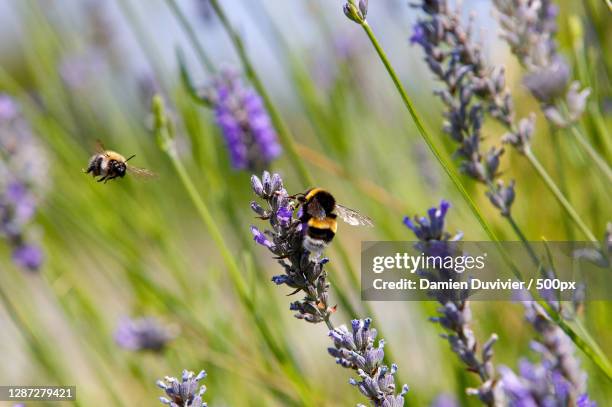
(352, 217)
(314, 209)
(99, 147)
(141, 172)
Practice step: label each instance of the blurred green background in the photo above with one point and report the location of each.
(86, 70)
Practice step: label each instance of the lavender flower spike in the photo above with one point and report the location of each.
(184, 393)
(355, 350)
(529, 27)
(284, 240)
(240, 114)
(455, 315)
(143, 334)
(557, 379)
(471, 89)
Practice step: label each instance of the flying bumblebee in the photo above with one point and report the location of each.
(108, 165)
(319, 215)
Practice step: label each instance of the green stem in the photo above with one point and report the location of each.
(523, 239)
(191, 35)
(598, 159)
(554, 136)
(557, 193)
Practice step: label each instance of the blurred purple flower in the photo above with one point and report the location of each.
(22, 200)
(557, 379)
(142, 334)
(549, 82)
(80, 70)
(23, 167)
(444, 400)
(584, 401)
(245, 124)
(8, 108)
(530, 27)
(28, 256)
(183, 393)
(418, 35)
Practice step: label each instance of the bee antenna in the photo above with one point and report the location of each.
(132, 156)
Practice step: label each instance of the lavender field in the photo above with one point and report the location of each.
(159, 244)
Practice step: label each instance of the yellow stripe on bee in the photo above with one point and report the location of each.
(112, 155)
(324, 223)
(313, 192)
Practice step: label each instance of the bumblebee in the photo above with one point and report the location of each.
(320, 212)
(108, 165)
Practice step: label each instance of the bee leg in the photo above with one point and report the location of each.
(102, 179)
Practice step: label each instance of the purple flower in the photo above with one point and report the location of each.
(183, 393)
(142, 334)
(556, 379)
(431, 228)
(28, 256)
(22, 201)
(530, 29)
(8, 108)
(444, 400)
(549, 82)
(261, 127)
(284, 215)
(355, 350)
(418, 35)
(240, 114)
(261, 238)
(584, 401)
(516, 389)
